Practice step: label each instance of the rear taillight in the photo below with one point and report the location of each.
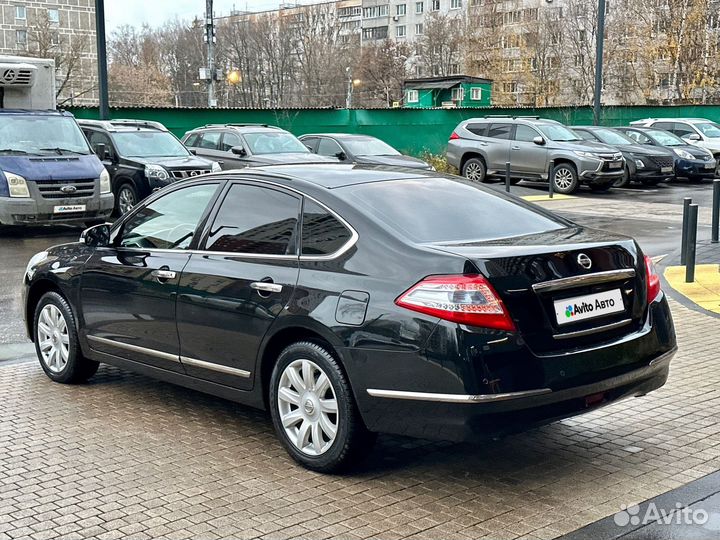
(454, 136)
(653, 280)
(465, 299)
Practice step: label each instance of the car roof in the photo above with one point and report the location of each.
(337, 175)
(340, 135)
(689, 120)
(243, 128)
(35, 112)
(123, 125)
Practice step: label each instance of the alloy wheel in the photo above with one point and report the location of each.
(53, 338)
(308, 407)
(563, 178)
(126, 199)
(473, 171)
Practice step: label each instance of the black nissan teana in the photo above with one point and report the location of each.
(351, 301)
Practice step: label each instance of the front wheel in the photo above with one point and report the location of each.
(125, 198)
(314, 412)
(624, 180)
(564, 178)
(474, 170)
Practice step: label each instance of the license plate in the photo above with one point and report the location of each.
(665, 170)
(67, 208)
(709, 165)
(615, 164)
(589, 306)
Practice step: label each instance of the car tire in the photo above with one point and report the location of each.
(56, 341)
(302, 411)
(474, 169)
(564, 178)
(125, 198)
(624, 180)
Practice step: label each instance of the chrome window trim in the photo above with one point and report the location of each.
(584, 279)
(595, 330)
(194, 362)
(135, 348)
(456, 398)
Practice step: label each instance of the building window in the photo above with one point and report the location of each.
(419, 7)
(378, 32)
(21, 37)
(454, 69)
(55, 38)
(510, 87)
(419, 29)
(458, 94)
(400, 31)
(20, 13)
(376, 11)
(53, 16)
(412, 96)
(582, 35)
(476, 94)
(455, 4)
(400, 10)
(435, 5)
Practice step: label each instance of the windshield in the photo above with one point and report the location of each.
(612, 137)
(666, 138)
(268, 142)
(41, 135)
(444, 210)
(148, 144)
(369, 147)
(558, 132)
(709, 129)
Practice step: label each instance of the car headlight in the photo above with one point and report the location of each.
(215, 167)
(17, 185)
(639, 163)
(683, 153)
(589, 155)
(156, 172)
(105, 182)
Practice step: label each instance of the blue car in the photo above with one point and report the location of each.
(48, 172)
(691, 161)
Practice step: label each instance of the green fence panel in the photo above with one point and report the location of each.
(410, 130)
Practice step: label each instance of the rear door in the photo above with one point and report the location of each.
(239, 281)
(498, 148)
(527, 159)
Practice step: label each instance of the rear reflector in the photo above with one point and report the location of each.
(465, 299)
(653, 280)
(454, 136)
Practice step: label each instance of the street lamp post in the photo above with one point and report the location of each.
(210, 39)
(102, 60)
(348, 98)
(599, 42)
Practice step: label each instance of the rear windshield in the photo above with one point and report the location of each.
(443, 210)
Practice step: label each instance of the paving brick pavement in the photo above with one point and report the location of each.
(129, 457)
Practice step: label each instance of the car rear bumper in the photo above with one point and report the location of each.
(39, 211)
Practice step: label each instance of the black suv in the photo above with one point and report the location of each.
(141, 156)
(236, 146)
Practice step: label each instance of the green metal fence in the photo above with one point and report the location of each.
(409, 130)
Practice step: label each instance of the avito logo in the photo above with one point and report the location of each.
(576, 309)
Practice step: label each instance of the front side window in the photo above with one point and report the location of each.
(667, 139)
(612, 137)
(322, 233)
(148, 144)
(525, 133)
(257, 221)
(709, 129)
(328, 147)
(558, 132)
(369, 146)
(230, 140)
(168, 222)
(268, 142)
(682, 130)
(586, 135)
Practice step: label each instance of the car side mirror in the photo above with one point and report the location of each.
(693, 137)
(342, 156)
(539, 140)
(96, 236)
(238, 151)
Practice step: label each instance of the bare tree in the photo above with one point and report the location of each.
(441, 44)
(382, 69)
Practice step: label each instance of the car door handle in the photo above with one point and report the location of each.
(515, 148)
(163, 275)
(265, 286)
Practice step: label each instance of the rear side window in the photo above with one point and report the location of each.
(443, 210)
(499, 131)
(477, 129)
(255, 220)
(322, 233)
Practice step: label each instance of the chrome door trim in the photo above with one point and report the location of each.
(595, 330)
(456, 398)
(585, 279)
(194, 362)
(134, 348)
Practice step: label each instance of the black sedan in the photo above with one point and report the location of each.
(691, 162)
(351, 300)
(361, 149)
(648, 165)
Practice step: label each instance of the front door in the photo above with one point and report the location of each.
(242, 278)
(128, 291)
(527, 159)
(230, 160)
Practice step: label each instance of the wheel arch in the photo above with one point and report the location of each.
(35, 293)
(470, 155)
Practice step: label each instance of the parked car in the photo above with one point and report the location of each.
(691, 161)
(235, 146)
(141, 156)
(460, 314)
(48, 172)
(698, 131)
(361, 149)
(648, 165)
(480, 148)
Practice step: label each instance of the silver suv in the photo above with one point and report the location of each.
(536, 149)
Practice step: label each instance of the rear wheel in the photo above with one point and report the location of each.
(624, 180)
(474, 170)
(314, 412)
(564, 178)
(56, 342)
(125, 198)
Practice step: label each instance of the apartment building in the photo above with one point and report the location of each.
(63, 30)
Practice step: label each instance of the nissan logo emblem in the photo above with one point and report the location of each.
(584, 261)
(68, 189)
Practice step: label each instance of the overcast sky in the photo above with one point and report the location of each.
(156, 12)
